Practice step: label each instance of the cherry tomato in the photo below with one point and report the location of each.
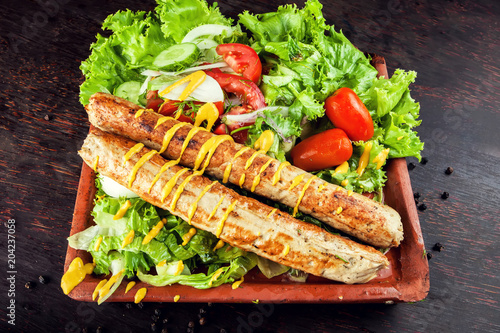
(242, 59)
(324, 150)
(153, 100)
(346, 111)
(245, 89)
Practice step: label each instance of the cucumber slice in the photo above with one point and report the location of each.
(177, 57)
(129, 90)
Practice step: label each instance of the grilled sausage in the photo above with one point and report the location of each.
(369, 221)
(238, 220)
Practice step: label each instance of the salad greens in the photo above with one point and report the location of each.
(306, 61)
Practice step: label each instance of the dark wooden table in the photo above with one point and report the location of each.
(453, 45)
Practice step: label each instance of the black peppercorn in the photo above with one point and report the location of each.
(438, 247)
(429, 256)
(416, 195)
(445, 195)
(449, 171)
(411, 166)
(424, 160)
(29, 285)
(422, 207)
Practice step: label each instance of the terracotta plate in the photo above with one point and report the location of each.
(406, 279)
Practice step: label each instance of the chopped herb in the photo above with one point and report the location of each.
(339, 257)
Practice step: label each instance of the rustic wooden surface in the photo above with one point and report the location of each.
(451, 44)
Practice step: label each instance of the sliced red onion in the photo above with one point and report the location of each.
(144, 86)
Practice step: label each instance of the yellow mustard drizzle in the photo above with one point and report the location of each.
(365, 158)
(220, 226)
(227, 171)
(301, 196)
(195, 80)
(322, 187)
(381, 157)
(208, 149)
(219, 245)
(164, 168)
(296, 181)
(277, 175)
(96, 162)
(162, 120)
(236, 284)
(217, 273)
(112, 280)
(188, 138)
(252, 158)
(349, 193)
(338, 188)
(169, 134)
(139, 113)
(242, 180)
(177, 298)
(343, 168)
(339, 210)
(98, 243)
(187, 236)
(179, 268)
(215, 208)
(256, 180)
(130, 285)
(132, 151)
(344, 182)
(180, 189)
(129, 238)
(97, 288)
(400, 137)
(75, 274)
(123, 210)
(171, 183)
(140, 294)
(208, 112)
(286, 250)
(265, 141)
(272, 212)
(153, 233)
(146, 157)
(194, 205)
(178, 114)
(162, 263)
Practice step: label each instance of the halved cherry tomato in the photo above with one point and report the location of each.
(242, 59)
(240, 136)
(324, 150)
(245, 89)
(153, 100)
(346, 111)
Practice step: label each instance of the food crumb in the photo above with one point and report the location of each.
(416, 195)
(341, 297)
(449, 171)
(422, 207)
(29, 285)
(47, 117)
(438, 247)
(445, 195)
(424, 160)
(203, 321)
(429, 256)
(42, 279)
(411, 166)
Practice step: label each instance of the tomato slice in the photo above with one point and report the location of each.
(245, 89)
(324, 150)
(242, 59)
(221, 129)
(346, 111)
(242, 135)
